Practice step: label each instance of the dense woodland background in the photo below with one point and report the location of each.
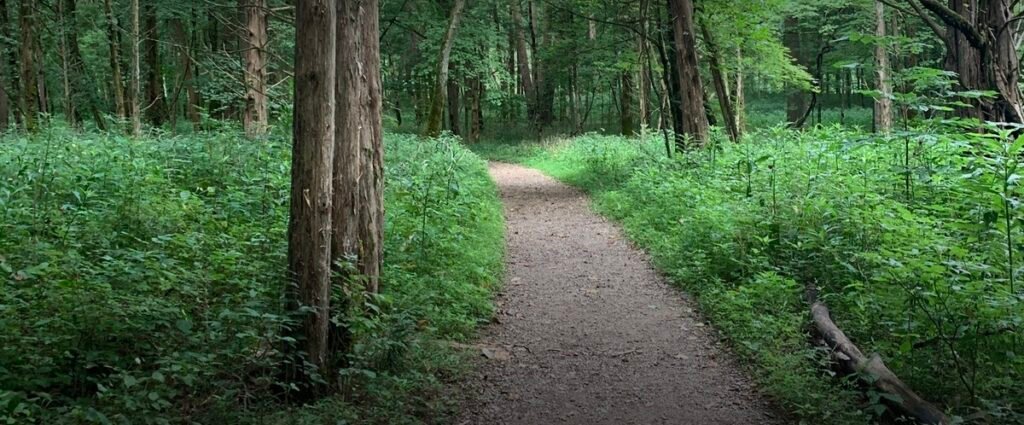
(774, 156)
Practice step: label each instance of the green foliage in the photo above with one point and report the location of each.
(142, 279)
(913, 240)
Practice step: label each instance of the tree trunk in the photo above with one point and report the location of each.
(796, 101)
(184, 48)
(255, 118)
(476, 115)
(695, 122)
(883, 106)
(309, 226)
(435, 118)
(740, 107)
(982, 51)
(155, 108)
(5, 108)
(670, 69)
(523, 61)
(114, 41)
(721, 89)
(136, 92)
(454, 106)
(358, 176)
(626, 105)
(29, 100)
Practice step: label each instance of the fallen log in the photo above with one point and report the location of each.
(876, 373)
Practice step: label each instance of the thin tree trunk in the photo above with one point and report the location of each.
(695, 122)
(29, 99)
(187, 73)
(436, 116)
(70, 114)
(136, 92)
(309, 226)
(721, 89)
(5, 102)
(476, 115)
(114, 41)
(741, 104)
(255, 118)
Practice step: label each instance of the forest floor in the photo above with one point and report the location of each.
(587, 332)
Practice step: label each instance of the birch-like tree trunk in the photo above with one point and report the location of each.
(883, 106)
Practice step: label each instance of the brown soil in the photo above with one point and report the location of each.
(587, 332)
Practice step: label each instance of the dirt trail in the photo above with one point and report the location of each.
(588, 333)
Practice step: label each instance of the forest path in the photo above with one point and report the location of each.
(588, 333)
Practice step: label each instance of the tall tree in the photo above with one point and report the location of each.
(255, 118)
(309, 226)
(136, 92)
(185, 61)
(156, 111)
(5, 108)
(796, 101)
(719, 80)
(694, 119)
(883, 106)
(29, 99)
(522, 59)
(435, 118)
(114, 42)
(982, 49)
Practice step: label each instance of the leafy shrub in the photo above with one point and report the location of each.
(142, 279)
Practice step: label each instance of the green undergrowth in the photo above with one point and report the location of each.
(142, 280)
(904, 236)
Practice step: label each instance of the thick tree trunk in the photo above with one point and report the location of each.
(29, 99)
(155, 108)
(695, 122)
(523, 60)
(358, 176)
(436, 116)
(721, 89)
(883, 106)
(309, 226)
(796, 101)
(116, 77)
(255, 118)
(628, 123)
(982, 51)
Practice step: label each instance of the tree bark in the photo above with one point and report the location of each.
(741, 103)
(883, 106)
(155, 108)
(29, 99)
(114, 41)
(255, 118)
(476, 116)
(183, 46)
(694, 119)
(5, 102)
(628, 123)
(721, 89)
(309, 226)
(454, 106)
(872, 368)
(523, 61)
(437, 102)
(136, 92)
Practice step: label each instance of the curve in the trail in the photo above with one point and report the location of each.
(588, 333)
